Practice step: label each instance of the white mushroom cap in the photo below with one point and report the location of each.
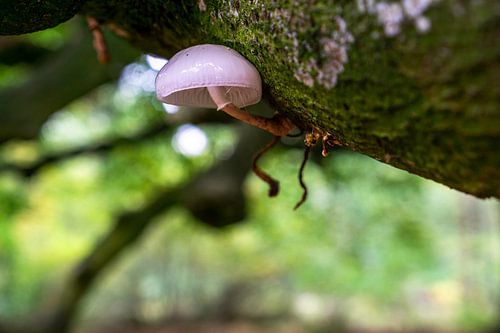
(187, 75)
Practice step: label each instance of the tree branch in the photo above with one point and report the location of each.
(17, 50)
(183, 117)
(67, 75)
(128, 228)
(421, 100)
(30, 170)
(215, 196)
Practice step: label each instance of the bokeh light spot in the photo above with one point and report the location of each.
(190, 140)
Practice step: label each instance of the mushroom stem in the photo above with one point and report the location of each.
(277, 125)
(219, 96)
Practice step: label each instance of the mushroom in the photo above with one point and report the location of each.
(215, 76)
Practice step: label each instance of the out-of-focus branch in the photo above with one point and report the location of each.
(30, 170)
(215, 196)
(67, 75)
(187, 116)
(126, 231)
(16, 49)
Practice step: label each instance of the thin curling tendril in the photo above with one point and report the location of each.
(274, 185)
(311, 139)
(301, 178)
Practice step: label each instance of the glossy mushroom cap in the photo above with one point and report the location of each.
(185, 78)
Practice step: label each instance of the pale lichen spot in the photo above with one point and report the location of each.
(392, 15)
(332, 57)
(366, 6)
(415, 8)
(422, 24)
(304, 77)
(202, 6)
(314, 58)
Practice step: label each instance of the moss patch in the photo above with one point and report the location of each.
(424, 102)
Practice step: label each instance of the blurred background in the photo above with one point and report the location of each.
(122, 214)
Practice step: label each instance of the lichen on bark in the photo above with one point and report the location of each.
(418, 100)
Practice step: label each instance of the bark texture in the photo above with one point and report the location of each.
(23, 16)
(411, 83)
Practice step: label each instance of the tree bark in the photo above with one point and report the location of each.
(415, 87)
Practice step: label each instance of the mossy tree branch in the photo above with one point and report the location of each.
(417, 91)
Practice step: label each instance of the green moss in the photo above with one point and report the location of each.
(393, 99)
(424, 102)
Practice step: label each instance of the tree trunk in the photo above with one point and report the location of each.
(411, 83)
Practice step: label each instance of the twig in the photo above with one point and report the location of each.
(99, 42)
(274, 185)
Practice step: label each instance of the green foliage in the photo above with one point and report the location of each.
(374, 251)
(370, 237)
(12, 200)
(12, 75)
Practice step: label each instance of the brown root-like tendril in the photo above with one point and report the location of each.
(278, 125)
(98, 40)
(324, 150)
(301, 178)
(274, 185)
